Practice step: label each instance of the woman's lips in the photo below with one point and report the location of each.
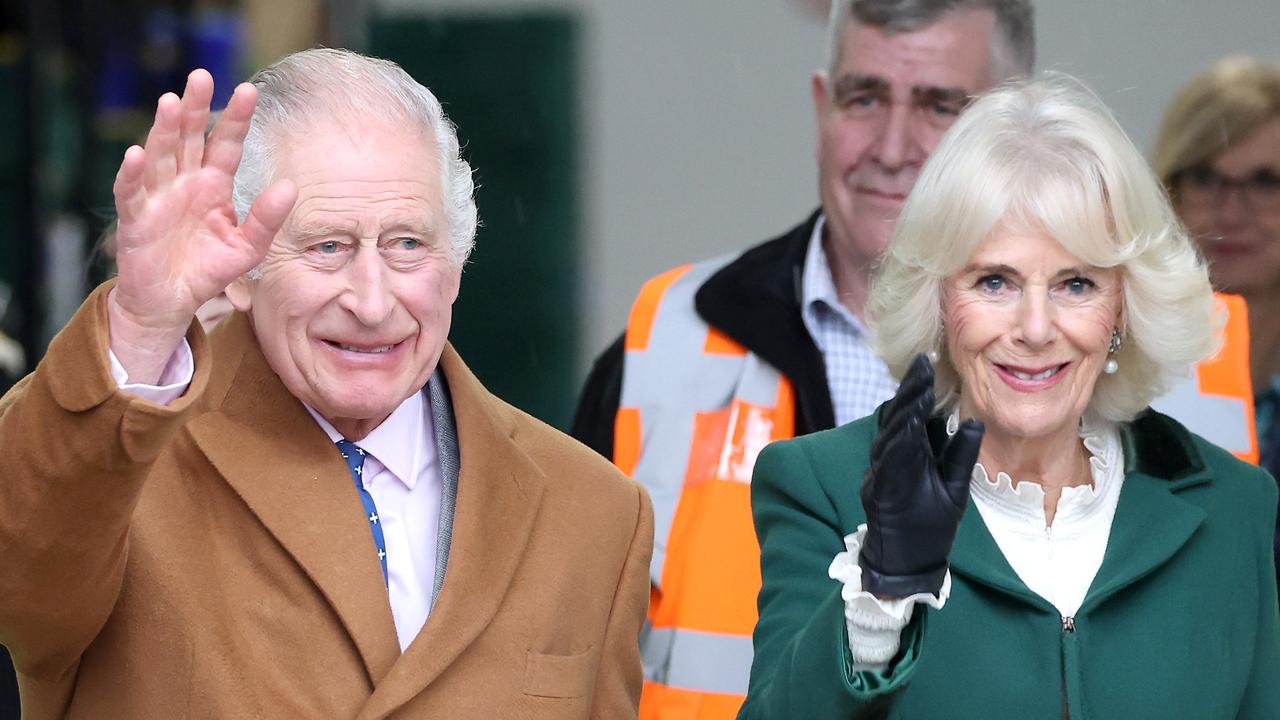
(1025, 379)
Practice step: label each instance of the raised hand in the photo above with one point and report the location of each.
(178, 242)
(914, 499)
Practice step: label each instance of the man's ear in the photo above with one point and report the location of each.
(818, 89)
(238, 292)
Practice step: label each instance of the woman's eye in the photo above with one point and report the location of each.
(991, 283)
(1079, 285)
(410, 243)
(328, 247)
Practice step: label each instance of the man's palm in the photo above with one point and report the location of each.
(178, 242)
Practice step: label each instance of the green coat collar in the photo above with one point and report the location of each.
(1151, 523)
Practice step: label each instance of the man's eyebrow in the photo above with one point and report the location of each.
(313, 229)
(924, 95)
(851, 83)
(419, 226)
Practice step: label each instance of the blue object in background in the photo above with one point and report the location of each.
(216, 42)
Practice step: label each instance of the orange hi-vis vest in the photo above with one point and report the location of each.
(1216, 403)
(696, 408)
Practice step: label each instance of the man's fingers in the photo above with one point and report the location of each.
(268, 213)
(195, 114)
(956, 464)
(226, 140)
(129, 193)
(162, 144)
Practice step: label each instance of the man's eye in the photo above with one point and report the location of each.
(945, 109)
(409, 243)
(858, 101)
(329, 247)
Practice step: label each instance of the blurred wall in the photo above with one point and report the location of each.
(699, 125)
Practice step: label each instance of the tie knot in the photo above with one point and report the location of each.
(354, 455)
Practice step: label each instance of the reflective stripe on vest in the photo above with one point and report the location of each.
(696, 409)
(1217, 403)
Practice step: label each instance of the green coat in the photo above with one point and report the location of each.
(1180, 622)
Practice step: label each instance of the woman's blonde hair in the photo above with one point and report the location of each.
(1213, 111)
(1047, 154)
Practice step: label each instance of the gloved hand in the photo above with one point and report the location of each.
(912, 497)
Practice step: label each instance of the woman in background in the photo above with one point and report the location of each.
(1218, 154)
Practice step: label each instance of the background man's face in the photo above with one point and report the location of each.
(356, 293)
(880, 115)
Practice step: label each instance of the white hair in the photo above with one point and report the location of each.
(1047, 154)
(1013, 45)
(333, 83)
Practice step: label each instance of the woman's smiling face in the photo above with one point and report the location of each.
(1028, 328)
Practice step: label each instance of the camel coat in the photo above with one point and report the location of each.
(210, 559)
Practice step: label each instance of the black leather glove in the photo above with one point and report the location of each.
(913, 498)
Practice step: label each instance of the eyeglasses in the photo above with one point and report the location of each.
(1202, 185)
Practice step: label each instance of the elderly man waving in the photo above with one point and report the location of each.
(317, 511)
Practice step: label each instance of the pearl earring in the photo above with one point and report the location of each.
(1111, 366)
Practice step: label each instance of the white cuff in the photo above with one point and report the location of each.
(874, 625)
(174, 379)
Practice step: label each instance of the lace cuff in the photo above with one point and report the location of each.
(874, 624)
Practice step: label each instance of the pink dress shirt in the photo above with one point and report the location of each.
(402, 473)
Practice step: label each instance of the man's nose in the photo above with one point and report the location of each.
(897, 145)
(368, 295)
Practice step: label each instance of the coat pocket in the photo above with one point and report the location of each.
(558, 676)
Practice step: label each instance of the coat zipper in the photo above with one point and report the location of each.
(1068, 630)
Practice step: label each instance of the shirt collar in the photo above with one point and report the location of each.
(818, 287)
(1025, 499)
(404, 443)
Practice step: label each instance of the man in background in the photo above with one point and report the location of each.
(722, 357)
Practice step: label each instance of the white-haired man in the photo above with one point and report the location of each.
(721, 357)
(317, 511)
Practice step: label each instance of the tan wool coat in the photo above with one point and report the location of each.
(210, 559)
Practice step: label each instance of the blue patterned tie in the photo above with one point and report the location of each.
(354, 456)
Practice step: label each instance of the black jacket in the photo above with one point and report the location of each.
(756, 301)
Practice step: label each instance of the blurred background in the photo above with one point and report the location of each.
(611, 138)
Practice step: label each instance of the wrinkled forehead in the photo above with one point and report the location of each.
(368, 149)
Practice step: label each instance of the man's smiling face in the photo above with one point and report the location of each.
(354, 299)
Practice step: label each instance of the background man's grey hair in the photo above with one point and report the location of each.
(339, 84)
(1013, 48)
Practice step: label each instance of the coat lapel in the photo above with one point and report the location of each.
(1151, 525)
(975, 555)
(269, 449)
(499, 490)
(1151, 522)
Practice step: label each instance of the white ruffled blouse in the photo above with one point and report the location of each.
(1057, 563)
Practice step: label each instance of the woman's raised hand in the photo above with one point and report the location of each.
(912, 497)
